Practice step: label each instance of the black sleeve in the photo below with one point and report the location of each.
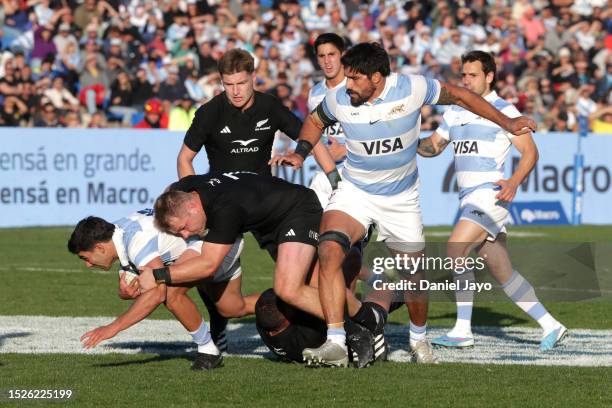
(202, 124)
(327, 121)
(288, 123)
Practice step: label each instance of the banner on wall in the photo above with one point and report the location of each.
(58, 176)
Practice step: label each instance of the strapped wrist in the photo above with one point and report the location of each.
(162, 275)
(303, 148)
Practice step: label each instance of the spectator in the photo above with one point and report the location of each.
(13, 112)
(47, 117)
(121, 99)
(95, 82)
(61, 98)
(601, 120)
(155, 116)
(182, 114)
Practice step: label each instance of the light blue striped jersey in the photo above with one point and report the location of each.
(381, 137)
(315, 96)
(138, 241)
(480, 146)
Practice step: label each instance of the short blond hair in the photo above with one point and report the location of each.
(236, 60)
(169, 205)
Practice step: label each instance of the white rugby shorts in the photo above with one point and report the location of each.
(397, 217)
(482, 208)
(322, 187)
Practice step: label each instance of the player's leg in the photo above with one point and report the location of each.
(400, 226)
(218, 323)
(520, 291)
(228, 298)
(186, 312)
(465, 237)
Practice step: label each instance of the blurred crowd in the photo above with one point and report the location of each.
(151, 63)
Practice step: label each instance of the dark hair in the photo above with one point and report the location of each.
(267, 314)
(487, 61)
(89, 232)
(367, 59)
(236, 60)
(330, 38)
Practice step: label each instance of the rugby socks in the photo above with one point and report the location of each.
(465, 302)
(522, 293)
(202, 338)
(371, 315)
(337, 334)
(417, 333)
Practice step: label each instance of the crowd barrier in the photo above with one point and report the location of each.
(58, 176)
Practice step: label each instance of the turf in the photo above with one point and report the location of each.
(41, 278)
(166, 381)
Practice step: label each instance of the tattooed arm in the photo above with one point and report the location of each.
(454, 95)
(432, 146)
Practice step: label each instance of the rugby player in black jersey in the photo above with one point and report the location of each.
(283, 217)
(237, 128)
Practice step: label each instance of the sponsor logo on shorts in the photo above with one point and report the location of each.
(478, 213)
(313, 235)
(290, 233)
(226, 130)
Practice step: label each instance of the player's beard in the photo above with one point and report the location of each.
(358, 99)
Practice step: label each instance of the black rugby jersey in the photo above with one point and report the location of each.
(238, 202)
(240, 141)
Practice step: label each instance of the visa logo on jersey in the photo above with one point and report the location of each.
(383, 146)
(465, 147)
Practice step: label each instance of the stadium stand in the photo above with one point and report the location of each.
(86, 63)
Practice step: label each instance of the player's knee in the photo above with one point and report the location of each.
(333, 247)
(287, 294)
(172, 298)
(237, 309)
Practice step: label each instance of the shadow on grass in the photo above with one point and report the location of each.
(4, 337)
(485, 316)
(155, 359)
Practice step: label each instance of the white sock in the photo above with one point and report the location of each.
(202, 338)
(465, 303)
(337, 335)
(522, 293)
(417, 333)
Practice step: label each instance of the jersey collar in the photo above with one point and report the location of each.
(491, 96)
(390, 82)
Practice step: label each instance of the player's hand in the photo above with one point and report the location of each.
(521, 125)
(507, 190)
(128, 290)
(146, 280)
(336, 150)
(291, 159)
(92, 338)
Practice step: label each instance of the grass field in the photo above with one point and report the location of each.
(41, 278)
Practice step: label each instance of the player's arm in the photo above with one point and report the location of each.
(529, 156)
(432, 146)
(327, 163)
(454, 95)
(310, 134)
(141, 308)
(192, 270)
(184, 162)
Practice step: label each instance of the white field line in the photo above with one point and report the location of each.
(494, 345)
(518, 234)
